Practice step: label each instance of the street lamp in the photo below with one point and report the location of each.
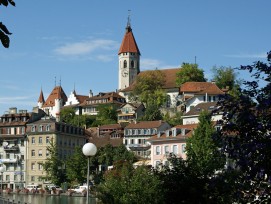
(89, 149)
(2, 169)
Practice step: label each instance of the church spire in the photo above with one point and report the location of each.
(41, 98)
(129, 43)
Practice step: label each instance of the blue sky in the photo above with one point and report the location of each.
(78, 41)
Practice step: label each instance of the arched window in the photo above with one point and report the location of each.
(132, 64)
(125, 64)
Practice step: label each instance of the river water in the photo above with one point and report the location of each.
(48, 199)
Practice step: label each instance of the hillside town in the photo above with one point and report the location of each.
(26, 136)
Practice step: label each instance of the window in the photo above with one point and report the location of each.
(214, 98)
(158, 150)
(32, 166)
(33, 140)
(40, 128)
(166, 149)
(33, 128)
(40, 166)
(183, 148)
(175, 149)
(132, 64)
(40, 153)
(47, 140)
(124, 64)
(22, 142)
(132, 141)
(157, 164)
(204, 98)
(209, 98)
(40, 140)
(15, 177)
(47, 153)
(22, 130)
(139, 141)
(32, 178)
(33, 153)
(7, 177)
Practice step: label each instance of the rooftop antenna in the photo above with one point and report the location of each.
(129, 20)
(60, 81)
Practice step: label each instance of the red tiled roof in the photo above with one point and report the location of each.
(109, 95)
(129, 43)
(201, 88)
(145, 124)
(189, 127)
(57, 93)
(170, 78)
(41, 98)
(105, 139)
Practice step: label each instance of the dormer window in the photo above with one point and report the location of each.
(40, 128)
(48, 127)
(33, 128)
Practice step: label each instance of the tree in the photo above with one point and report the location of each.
(226, 77)
(124, 185)
(202, 150)
(4, 32)
(67, 115)
(189, 72)
(149, 88)
(107, 114)
(152, 112)
(246, 133)
(53, 164)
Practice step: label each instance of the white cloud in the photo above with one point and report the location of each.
(151, 64)
(85, 47)
(146, 64)
(105, 58)
(245, 55)
(15, 99)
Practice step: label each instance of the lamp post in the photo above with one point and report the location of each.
(89, 149)
(2, 169)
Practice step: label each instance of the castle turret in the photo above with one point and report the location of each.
(41, 100)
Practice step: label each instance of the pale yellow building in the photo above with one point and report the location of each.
(39, 134)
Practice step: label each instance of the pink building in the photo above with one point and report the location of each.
(172, 140)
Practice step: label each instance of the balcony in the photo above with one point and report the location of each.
(5, 161)
(11, 148)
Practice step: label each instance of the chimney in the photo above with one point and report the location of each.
(13, 110)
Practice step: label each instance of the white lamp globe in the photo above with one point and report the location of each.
(2, 169)
(89, 149)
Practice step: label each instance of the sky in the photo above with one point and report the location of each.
(75, 43)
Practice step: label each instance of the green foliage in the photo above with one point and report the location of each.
(126, 185)
(202, 150)
(84, 121)
(189, 72)
(226, 77)
(76, 167)
(107, 114)
(52, 166)
(174, 120)
(152, 112)
(4, 32)
(148, 88)
(246, 133)
(109, 155)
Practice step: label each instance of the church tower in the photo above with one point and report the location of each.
(129, 58)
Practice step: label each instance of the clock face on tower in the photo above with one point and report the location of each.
(124, 73)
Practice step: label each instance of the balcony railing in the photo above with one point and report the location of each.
(5, 161)
(12, 148)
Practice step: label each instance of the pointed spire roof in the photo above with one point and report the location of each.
(41, 97)
(57, 93)
(129, 43)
